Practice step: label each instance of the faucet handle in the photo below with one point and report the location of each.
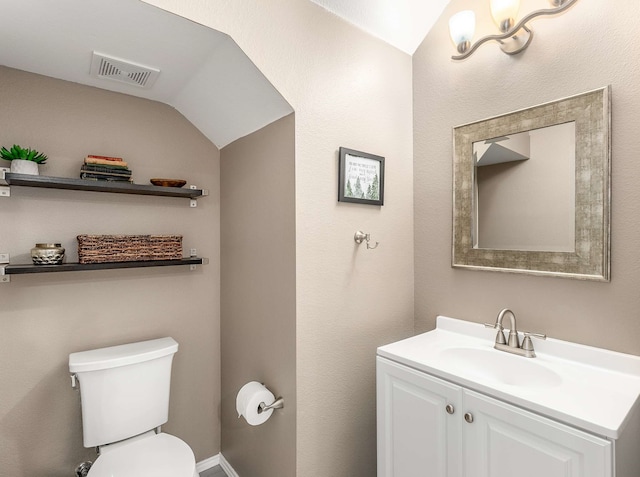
(535, 335)
(527, 344)
(500, 339)
(496, 326)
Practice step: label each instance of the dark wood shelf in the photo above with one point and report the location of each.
(47, 182)
(20, 269)
(67, 183)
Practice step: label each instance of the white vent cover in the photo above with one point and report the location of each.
(124, 71)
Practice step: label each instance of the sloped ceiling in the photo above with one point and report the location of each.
(401, 23)
(203, 73)
(513, 148)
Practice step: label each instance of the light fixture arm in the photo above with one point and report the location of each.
(513, 32)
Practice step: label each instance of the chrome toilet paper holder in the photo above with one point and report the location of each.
(277, 404)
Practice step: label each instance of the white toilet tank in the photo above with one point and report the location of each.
(124, 389)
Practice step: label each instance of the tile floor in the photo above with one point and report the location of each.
(214, 472)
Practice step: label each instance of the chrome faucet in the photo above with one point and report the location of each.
(513, 344)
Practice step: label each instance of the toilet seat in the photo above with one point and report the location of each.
(155, 455)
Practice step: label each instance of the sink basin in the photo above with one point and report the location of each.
(501, 367)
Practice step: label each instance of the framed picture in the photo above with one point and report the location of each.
(361, 177)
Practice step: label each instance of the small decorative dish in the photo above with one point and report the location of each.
(168, 182)
(47, 254)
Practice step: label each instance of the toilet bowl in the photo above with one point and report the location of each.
(124, 393)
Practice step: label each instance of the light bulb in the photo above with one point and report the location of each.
(462, 26)
(504, 13)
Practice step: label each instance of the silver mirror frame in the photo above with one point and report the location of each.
(590, 260)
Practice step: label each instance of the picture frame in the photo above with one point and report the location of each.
(361, 177)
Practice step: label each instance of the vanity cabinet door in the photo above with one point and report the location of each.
(506, 441)
(419, 423)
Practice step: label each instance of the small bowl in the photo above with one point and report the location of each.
(168, 182)
(47, 254)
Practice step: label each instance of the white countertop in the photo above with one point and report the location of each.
(590, 388)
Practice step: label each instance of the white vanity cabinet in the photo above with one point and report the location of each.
(506, 441)
(430, 427)
(418, 435)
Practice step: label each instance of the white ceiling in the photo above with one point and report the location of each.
(401, 23)
(203, 73)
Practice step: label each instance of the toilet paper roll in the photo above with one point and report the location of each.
(248, 402)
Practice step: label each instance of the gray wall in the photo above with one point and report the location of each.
(583, 49)
(45, 317)
(258, 295)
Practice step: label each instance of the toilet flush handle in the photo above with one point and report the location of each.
(74, 381)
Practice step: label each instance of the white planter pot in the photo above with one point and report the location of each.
(19, 166)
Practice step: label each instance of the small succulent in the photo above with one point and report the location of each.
(17, 152)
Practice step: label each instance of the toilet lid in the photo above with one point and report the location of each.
(160, 455)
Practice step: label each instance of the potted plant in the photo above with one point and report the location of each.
(23, 160)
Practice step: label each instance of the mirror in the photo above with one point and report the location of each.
(531, 190)
(535, 168)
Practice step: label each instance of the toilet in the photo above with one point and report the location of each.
(124, 391)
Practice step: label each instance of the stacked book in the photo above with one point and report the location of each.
(105, 168)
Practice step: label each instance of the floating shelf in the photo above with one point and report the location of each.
(47, 182)
(11, 179)
(21, 269)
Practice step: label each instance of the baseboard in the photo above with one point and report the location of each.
(227, 467)
(207, 464)
(211, 462)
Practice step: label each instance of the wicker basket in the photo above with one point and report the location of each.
(128, 248)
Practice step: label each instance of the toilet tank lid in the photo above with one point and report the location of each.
(121, 355)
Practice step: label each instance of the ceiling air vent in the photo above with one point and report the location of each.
(108, 67)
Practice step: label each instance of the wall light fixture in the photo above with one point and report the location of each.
(514, 37)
